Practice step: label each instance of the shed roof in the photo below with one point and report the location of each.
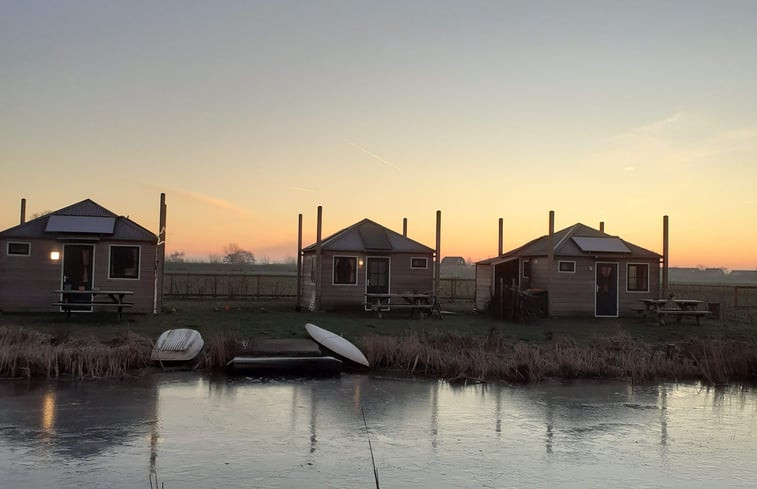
(124, 229)
(568, 242)
(369, 236)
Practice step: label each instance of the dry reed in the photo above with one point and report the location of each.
(497, 358)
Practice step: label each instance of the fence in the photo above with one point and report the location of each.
(261, 286)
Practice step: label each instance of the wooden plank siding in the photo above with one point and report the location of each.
(484, 286)
(27, 282)
(336, 296)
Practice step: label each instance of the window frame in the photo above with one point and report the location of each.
(333, 271)
(28, 248)
(628, 275)
(425, 262)
(525, 268)
(110, 262)
(560, 262)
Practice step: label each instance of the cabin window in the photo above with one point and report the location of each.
(638, 277)
(19, 249)
(345, 270)
(124, 262)
(566, 266)
(419, 263)
(312, 269)
(526, 268)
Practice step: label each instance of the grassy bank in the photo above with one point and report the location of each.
(460, 346)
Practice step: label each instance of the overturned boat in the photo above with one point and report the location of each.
(177, 346)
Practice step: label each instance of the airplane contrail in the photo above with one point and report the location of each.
(371, 154)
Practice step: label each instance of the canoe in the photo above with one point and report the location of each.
(301, 365)
(177, 346)
(336, 344)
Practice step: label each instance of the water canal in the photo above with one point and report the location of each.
(196, 431)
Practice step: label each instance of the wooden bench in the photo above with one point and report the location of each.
(69, 306)
(679, 314)
(414, 308)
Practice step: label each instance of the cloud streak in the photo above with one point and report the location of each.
(205, 199)
(371, 154)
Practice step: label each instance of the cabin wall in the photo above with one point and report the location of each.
(335, 296)
(27, 283)
(483, 292)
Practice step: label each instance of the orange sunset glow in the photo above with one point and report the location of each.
(247, 114)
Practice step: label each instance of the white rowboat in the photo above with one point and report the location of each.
(336, 344)
(177, 345)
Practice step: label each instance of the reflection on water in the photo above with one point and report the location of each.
(196, 431)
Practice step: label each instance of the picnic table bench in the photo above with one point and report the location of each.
(660, 309)
(83, 300)
(417, 304)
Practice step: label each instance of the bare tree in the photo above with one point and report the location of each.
(235, 255)
(176, 257)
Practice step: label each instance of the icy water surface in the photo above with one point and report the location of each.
(199, 432)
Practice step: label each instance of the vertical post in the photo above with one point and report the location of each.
(23, 211)
(550, 259)
(404, 227)
(665, 256)
(298, 300)
(438, 258)
(318, 259)
(601, 226)
(160, 257)
(501, 243)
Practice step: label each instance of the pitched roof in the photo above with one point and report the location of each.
(124, 229)
(367, 236)
(564, 244)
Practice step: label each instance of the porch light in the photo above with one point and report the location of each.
(55, 255)
(360, 263)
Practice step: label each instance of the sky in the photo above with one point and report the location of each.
(248, 113)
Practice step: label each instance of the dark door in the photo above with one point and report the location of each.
(77, 271)
(377, 275)
(606, 304)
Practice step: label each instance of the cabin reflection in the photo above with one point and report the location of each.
(73, 419)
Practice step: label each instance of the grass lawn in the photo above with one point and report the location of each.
(253, 320)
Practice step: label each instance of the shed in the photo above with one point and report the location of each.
(80, 247)
(364, 258)
(591, 273)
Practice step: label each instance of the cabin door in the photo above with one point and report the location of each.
(376, 275)
(78, 265)
(606, 283)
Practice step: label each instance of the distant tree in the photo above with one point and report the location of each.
(290, 260)
(264, 260)
(176, 257)
(213, 258)
(40, 214)
(235, 255)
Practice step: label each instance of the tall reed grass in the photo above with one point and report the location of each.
(498, 358)
(27, 353)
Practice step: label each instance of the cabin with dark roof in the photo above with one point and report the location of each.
(365, 258)
(586, 272)
(80, 247)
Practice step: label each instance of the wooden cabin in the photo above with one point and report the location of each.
(591, 273)
(365, 258)
(81, 247)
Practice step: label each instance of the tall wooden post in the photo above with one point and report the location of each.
(501, 243)
(404, 227)
(23, 211)
(160, 257)
(550, 259)
(318, 259)
(438, 258)
(298, 302)
(665, 256)
(601, 226)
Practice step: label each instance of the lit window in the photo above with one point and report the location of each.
(124, 262)
(638, 277)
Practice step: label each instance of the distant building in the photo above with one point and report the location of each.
(743, 276)
(80, 247)
(592, 273)
(365, 258)
(453, 261)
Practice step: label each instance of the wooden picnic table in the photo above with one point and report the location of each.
(416, 302)
(662, 308)
(72, 300)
